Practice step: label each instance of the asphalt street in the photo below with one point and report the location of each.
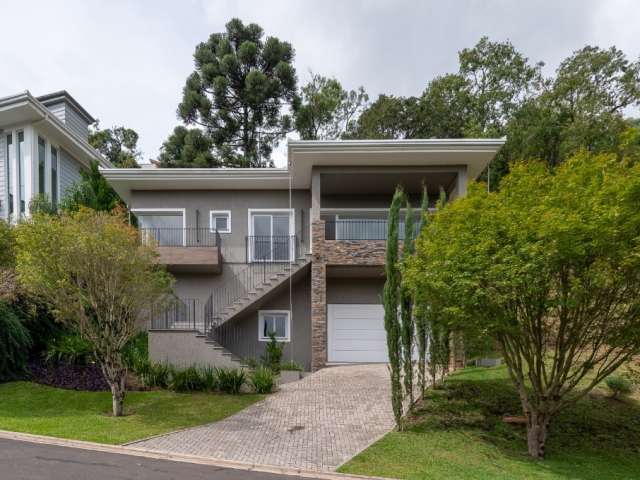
(30, 461)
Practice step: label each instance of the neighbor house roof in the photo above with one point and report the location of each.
(64, 96)
(303, 156)
(24, 108)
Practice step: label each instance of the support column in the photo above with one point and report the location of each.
(318, 298)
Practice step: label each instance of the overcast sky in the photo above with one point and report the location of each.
(126, 61)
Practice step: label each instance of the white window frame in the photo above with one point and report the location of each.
(169, 210)
(266, 211)
(219, 213)
(262, 313)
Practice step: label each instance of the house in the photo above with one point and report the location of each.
(297, 251)
(43, 149)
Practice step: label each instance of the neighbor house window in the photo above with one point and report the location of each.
(276, 322)
(21, 169)
(54, 176)
(220, 221)
(42, 149)
(9, 166)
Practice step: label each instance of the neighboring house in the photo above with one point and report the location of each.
(298, 251)
(43, 148)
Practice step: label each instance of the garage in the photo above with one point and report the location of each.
(356, 333)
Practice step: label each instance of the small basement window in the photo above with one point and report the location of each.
(220, 221)
(276, 321)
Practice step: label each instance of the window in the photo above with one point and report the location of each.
(9, 179)
(42, 148)
(54, 176)
(276, 321)
(220, 220)
(21, 168)
(271, 236)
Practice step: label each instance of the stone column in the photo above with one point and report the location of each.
(318, 298)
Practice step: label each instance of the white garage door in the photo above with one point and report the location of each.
(356, 333)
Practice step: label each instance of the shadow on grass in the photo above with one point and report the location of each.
(596, 435)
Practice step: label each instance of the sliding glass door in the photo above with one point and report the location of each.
(271, 238)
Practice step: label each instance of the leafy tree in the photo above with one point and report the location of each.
(391, 300)
(238, 91)
(500, 80)
(89, 267)
(549, 267)
(581, 108)
(324, 108)
(444, 108)
(119, 145)
(92, 192)
(407, 328)
(387, 118)
(188, 148)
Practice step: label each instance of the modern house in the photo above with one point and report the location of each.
(297, 251)
(43, 149)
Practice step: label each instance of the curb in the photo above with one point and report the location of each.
(159, 455)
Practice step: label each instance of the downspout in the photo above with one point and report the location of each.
(291, 276)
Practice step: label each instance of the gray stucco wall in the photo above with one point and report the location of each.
(69, 172)
(355, 290)
(238, 202)
(184, 349)
(244, 339)
(4, 210)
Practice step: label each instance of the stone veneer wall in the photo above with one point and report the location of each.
(333, 252)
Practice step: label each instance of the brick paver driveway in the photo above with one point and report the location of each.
(317, 423)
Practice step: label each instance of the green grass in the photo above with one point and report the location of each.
(458, 434)
(38, 409)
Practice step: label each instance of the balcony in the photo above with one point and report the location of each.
(185, 250)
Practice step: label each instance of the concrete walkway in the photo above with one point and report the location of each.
(317, 423)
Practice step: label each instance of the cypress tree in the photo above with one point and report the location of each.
(422, 310)
(406, 308)
(391, 299)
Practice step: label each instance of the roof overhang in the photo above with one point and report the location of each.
(475, 154)
(304, 156)
(24, 108)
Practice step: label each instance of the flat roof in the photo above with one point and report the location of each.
(304, 155)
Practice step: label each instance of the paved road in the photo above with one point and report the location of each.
(31, 461)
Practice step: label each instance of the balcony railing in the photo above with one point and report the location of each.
(179, 237)
(272, 248)
(360, 229)
(180, 314)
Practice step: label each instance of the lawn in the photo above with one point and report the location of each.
(458, 434)
(38, 409)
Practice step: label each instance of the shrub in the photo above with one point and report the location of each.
(262, 380)
(252, 362)
(136, 352)
(618, 385)
(187, 380)
(155, 374)
(273, 354)
(209, 379)
(69, 348)
(230, 380)
(291, 366)
(14, 344)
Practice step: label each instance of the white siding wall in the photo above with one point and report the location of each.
(76, 124)
(69, 172)
(72, 120)
(4, 209)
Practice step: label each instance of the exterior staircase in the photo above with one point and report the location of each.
(248, 287)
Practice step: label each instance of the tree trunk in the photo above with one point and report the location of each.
(537, 425)
(117, 395)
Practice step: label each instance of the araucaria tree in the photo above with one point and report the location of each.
(239, 92)
(406, 308)
(549, 266)
(391, 301)
(91, 270)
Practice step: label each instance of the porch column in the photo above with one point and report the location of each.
(318, 298)
(315, 195)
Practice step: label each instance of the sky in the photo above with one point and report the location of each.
(126, 62)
